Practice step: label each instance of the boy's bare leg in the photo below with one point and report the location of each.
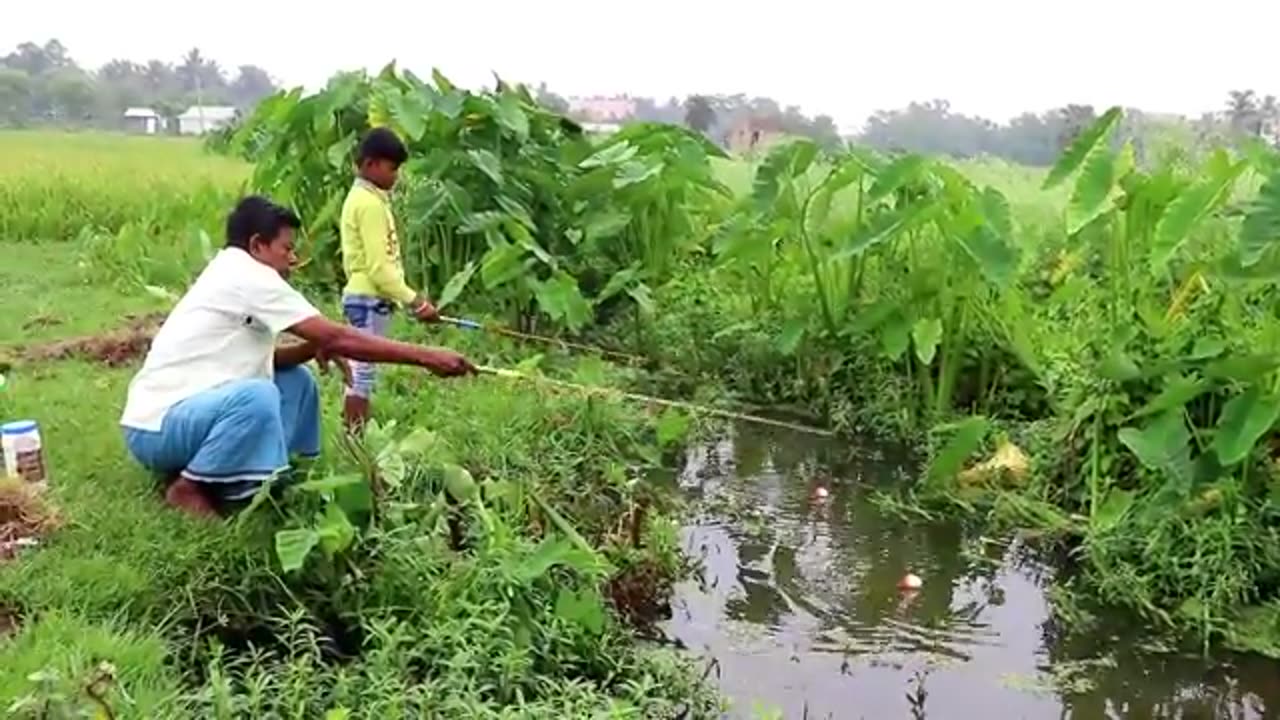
(355, 412)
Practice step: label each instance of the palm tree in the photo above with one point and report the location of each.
(1242, 111)
(698, 113)
(1269, 117)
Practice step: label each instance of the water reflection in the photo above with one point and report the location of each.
(797, 601)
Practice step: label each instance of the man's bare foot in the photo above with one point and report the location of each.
(189, 498)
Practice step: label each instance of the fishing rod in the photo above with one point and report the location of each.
(499, 330)
(651, 400)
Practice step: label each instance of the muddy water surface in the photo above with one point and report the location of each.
(798, 607)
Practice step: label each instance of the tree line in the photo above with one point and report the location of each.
(43, 84)
(1038, 138)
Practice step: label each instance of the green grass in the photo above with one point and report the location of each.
(127, 580)
(49, 294)
(55, 184)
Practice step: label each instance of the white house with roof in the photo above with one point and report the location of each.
(200, 119)
(143, 120)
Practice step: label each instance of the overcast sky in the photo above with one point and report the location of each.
(844, 58)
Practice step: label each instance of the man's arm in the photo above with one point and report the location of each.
(344, 341)
(294, 353)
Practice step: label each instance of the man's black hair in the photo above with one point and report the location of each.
(382, 144)
(256, 215)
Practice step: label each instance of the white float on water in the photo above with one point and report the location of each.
(910, 581)
(821, 493)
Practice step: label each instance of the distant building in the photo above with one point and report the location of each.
(143, 120)
(200, 119)
(602, 109)
(751, 133)
(601, 128)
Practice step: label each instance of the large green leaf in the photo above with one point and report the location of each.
(886, 227)
(673, 426)
(501, 264)
(792, 333)
(410, 112)
(560, 298)
(1162, 446)
(784, 162)
(965, 440)
(1080, 148)
(293, 546)
(525, 239)
(512, 116)
(996, 211)
(1244, 420)
(643, 298)
(925, 336)
(335, 531)
(1261, 227)
(1094, 186)
(581, 608)
(551, 552)
(634, 172)
(995, 255)
(328, 484)
(487, 163)
(1176, 394)
(1243, 368)
(341, 153)
(619, 282)
(1112, 510)
(483, 221)
(562, 523)
(456, 284)
(901, 171)
(517, 211)
(1119, 366)
(459, 483)
(1188, 209)
(895, 337)
(613, 154)
(605, 225)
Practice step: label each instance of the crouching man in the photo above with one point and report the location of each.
(218, 408)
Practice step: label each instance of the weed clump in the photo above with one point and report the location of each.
(25, 514)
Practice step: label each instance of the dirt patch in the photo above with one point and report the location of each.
(25, 517)
(640, 594)
(114, 348)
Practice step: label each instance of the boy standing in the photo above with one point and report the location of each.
(371, 259)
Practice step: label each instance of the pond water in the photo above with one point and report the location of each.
(797, 612)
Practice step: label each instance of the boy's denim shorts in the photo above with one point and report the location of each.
(372, 315)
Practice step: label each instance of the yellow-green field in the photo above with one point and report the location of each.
(54, 184)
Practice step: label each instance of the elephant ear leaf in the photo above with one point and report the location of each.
(1083, 146)
(1245, 418)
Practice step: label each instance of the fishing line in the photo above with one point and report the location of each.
(499, 330)
(651, 400)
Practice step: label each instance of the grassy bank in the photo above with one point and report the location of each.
(516, 623)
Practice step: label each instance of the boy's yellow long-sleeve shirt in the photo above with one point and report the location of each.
(370, 246)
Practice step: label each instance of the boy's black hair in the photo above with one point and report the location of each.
(381, 143)
(256, 215)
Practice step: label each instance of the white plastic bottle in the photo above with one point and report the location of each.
(24, 452)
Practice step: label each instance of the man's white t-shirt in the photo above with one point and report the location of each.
(223, 329)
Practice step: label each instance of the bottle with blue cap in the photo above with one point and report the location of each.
(23, 452)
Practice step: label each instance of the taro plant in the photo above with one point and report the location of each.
(499, 192)
(902, 255)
